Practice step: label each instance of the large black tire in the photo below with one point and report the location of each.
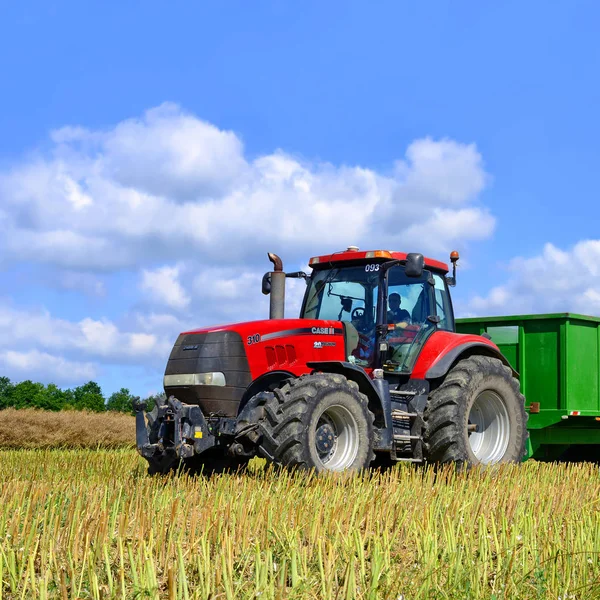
(321, 408)
(478, 391)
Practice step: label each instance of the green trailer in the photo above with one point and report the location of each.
(558, 359)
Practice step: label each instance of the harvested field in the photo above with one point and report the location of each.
(91, 524)
(31, 428)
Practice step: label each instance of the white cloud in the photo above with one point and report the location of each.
(95, 339)
(35, 345)
(45, 367)
(556, 280)
(66, 249)
(163, 286)
(158, 322)
(168, 187)
(446, 227)
(439, 173)
(172, 154)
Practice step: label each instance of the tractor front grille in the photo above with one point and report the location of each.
(218, 351)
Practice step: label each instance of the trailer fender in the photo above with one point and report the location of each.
(447, 361)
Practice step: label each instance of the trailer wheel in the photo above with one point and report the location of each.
(319, 421)
(477, 415)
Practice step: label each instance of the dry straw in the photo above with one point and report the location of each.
(30, 428)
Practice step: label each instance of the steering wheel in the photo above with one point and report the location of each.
(357, 314)
(359, 320)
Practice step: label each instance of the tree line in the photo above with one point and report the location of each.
(89, 396)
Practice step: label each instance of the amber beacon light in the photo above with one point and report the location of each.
(453, 259)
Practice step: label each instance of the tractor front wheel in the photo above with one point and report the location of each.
(477, 415)
(319, 421)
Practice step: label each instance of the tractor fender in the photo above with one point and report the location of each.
(365, 385)
(441, 366)
(265, 383)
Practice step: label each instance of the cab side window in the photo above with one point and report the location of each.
(443, 307)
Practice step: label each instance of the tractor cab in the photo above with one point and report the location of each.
(389, 303)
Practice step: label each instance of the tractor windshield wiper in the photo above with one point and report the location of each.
(318, 288)
(330, 276)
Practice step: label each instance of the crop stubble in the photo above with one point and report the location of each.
(91, 524)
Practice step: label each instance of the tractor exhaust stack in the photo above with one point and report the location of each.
(277, 305)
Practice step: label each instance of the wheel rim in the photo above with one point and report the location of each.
(489, 417)
(336, 438)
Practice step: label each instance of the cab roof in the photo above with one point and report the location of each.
(352, 255)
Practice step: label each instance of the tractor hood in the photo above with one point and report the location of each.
(214, 366)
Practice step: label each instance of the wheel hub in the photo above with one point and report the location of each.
(336, 438)
(325, 438)
(488, 428)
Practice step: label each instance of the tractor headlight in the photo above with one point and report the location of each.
(213, 378)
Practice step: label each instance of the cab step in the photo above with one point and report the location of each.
(403, 393)
(401, 414)
(406, 438)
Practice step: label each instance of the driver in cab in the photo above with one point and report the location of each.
(396, 315)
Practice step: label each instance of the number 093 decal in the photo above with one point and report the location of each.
(373, 267)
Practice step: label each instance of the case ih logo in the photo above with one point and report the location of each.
(323, 330)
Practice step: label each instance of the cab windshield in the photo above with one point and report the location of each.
(350, 294)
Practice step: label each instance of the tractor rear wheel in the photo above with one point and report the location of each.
(477, 415)
(319, 421)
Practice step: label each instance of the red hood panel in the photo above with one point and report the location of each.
(286, 344)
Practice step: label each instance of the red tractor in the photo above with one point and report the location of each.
(371, 373)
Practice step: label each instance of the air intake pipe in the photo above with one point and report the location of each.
(277, 277)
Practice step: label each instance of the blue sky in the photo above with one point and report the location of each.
(147, 149)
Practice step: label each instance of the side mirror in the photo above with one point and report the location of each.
(298, 275)
(415, 263)
(266, 284)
